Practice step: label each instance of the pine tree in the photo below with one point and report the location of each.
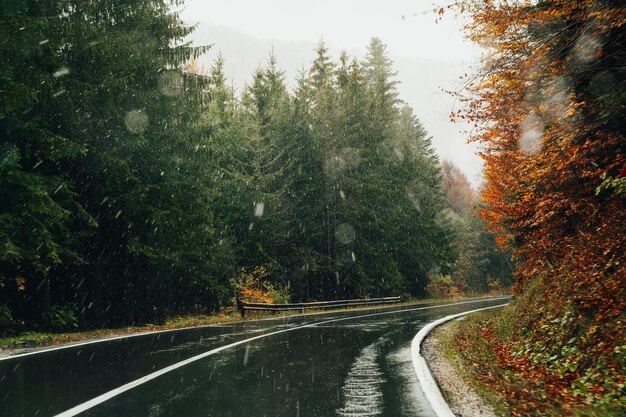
(379, 70)
(39, 201)
(106, 93)
(308, 250)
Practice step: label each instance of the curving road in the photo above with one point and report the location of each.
(336, 364)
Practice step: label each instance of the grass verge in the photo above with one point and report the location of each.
(445, 335)
(485, 350)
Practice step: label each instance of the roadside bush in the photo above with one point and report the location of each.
(60, 318)
(253, 286)
(6, 318)
(441, 286)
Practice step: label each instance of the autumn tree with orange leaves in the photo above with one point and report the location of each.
(549, 109)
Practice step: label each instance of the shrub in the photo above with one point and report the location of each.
(253, 286)
(60, 318)
(441, 286)
(6, 318)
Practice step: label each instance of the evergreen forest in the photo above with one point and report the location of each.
(135, 185)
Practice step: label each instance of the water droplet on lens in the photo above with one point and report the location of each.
(136, 121)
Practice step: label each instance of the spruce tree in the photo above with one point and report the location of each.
(100, 85)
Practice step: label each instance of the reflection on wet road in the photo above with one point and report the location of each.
(350, 364)
(361, 389)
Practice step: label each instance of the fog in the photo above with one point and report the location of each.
(430, 54)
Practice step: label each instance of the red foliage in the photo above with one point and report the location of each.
(549, 132)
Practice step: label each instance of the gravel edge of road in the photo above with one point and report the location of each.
(462, 399)
(430, 386)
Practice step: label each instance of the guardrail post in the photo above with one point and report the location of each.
(240, 307)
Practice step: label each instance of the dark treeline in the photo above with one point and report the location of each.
(133, 188)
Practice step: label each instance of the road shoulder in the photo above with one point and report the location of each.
(461, 397)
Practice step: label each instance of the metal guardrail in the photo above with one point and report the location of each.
(315, 305)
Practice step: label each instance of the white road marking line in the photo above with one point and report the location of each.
(130, 385)
(426, 379)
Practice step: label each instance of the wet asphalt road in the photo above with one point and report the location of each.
(349, 364)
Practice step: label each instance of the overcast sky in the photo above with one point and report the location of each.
(408, 28)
